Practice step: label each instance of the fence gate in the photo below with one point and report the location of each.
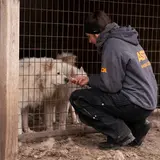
(49, 27)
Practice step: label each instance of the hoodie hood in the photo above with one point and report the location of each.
(113, 30)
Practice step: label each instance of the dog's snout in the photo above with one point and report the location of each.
(66, 80)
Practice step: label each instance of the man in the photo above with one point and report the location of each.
(124, 94)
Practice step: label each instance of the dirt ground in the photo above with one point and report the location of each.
(85, 148)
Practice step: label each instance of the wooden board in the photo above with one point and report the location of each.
(9, 75)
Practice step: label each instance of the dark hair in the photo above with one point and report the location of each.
(96, 22)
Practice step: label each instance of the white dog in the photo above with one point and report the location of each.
(64, 92)
(37, 81)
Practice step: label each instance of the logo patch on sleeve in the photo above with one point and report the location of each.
(104, 70)
(141, 55)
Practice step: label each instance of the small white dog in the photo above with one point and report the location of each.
(63, 92)
(38, 79)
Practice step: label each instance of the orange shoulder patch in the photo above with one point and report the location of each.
(104, 70)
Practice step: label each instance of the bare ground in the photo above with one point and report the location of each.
(85, 148)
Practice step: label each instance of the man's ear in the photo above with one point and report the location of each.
(96, 35)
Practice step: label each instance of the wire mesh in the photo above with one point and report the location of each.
(52, 26)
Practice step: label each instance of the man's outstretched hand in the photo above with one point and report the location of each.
(80, 80)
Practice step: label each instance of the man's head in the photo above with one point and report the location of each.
(95, 24)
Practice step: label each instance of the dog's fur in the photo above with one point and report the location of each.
(68, 58)
(42, 83)
(63, 106)
(38, 79)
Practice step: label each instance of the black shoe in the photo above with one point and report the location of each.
(106, 145)
(111, 144)
(140, 134)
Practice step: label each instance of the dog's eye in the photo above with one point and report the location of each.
(58, 73)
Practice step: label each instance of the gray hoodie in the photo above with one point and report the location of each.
(125, 67)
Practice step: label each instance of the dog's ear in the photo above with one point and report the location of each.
(48, 65)
(70, 60)
(72, 72)
(67, 58)
(59, 56)
(82, 70)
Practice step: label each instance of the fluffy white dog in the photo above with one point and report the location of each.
(63, 92)
(38, 79)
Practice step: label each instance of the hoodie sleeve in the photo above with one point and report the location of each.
(112, 71)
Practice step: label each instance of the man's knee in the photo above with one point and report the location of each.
(79, 98)
(74, 95)
(77, 93)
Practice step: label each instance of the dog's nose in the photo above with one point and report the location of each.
(66, 80)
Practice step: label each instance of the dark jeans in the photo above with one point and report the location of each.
(111, 114)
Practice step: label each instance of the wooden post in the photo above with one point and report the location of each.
(9, 76)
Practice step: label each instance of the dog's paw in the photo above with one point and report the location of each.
(19, 131)
(19, 144)
(28, 130)
(62, 127)
(49, 129)
(76, 121)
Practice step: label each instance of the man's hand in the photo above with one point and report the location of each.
(80, 80)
